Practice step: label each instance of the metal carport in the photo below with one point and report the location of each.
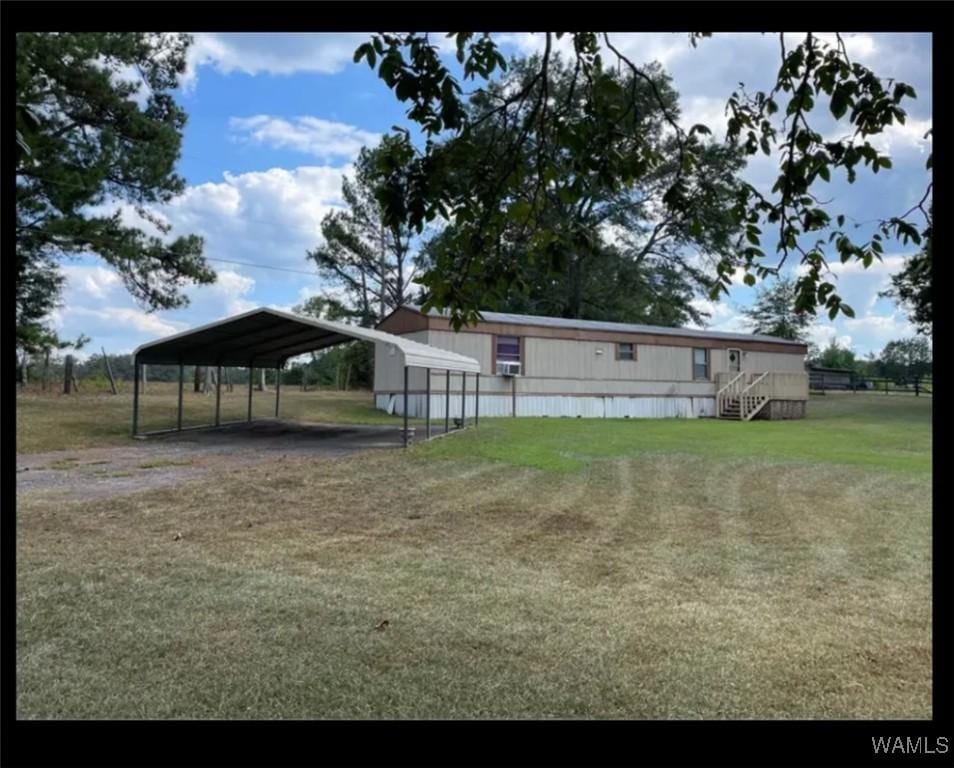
(267, 338)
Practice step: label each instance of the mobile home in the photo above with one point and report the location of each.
(547, 366)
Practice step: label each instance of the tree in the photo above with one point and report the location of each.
(349, 365)
(836, 356)
(604, 253)
(811, 71)
(371, 260)
(912, 287)
(774, 312)
(906, 359)
(83, 143)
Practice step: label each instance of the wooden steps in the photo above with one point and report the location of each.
(731, 407)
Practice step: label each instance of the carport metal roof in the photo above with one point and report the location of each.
(266, 338)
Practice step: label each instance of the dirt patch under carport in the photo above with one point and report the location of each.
(169, 459)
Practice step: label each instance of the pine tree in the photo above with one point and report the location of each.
(97, 127)
(774, 312)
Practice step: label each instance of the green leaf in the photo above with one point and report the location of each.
(749, 279)
(846, 310)
(519, 211)
(567, 195)
(839, 104)
(361, 51)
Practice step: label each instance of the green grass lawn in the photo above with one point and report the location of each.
(846, 429)
(533, 568)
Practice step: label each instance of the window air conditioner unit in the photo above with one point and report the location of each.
(508, 368)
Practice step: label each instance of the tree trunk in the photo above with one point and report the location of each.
(46, 370)
(24, 369)
(365, 304)
(197, 379)
(399, 293)
(576, 288)
(383, 272)
(68, 375)
(261, 379)
(207, 383)
(109, 372)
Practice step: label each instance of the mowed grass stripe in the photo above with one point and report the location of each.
(651, 584)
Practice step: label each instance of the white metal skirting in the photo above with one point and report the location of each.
(610, 407)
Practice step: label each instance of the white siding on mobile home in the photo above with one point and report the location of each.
(576, 368)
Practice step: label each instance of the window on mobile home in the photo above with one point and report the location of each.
(700, 363)
(508, 349)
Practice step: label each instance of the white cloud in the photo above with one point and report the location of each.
(277, 54)
(889, 264)
(268, 218)
(722, 316)
(880, 329)
(120, 317)
(708, 110)
(639, 47)
(324, 139)
(908, 137)
(821, 335)
(93, 282)
(271, 216)
(231, 289)
(861, 47)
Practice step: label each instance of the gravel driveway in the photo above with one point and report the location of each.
(168, 460)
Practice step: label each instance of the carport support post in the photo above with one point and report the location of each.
(181, 382)
(278, 388)
(477, 401)
(427, 405)
(135, 424)
(463, 399)
(218, 395)
(447, 404)
(251, 372)
(405, 406)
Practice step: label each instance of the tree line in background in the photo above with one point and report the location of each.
(341, 368)
(774, 313)
(903, 360)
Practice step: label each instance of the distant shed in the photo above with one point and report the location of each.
(820, 377)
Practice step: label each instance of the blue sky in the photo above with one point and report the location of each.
(276, 119)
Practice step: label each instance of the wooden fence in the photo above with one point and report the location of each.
(916, 386)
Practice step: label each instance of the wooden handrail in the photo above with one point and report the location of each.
(731, 389)
(748, 399)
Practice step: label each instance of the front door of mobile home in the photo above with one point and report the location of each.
(735, 360)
